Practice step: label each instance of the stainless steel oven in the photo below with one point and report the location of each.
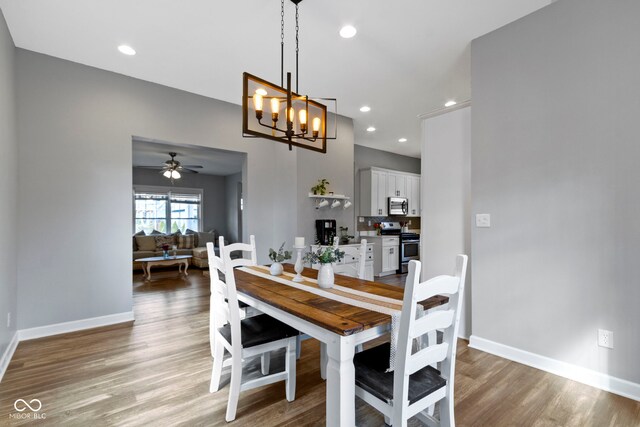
(409, 249)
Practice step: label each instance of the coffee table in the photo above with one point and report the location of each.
(180, 260)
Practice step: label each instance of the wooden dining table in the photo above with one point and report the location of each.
(337, 325)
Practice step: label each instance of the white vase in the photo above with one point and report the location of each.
(276, 269)
(325, 276)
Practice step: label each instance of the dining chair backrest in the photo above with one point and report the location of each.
(221, 309)
(411, 328)
(232, 295)
(243, 247)
(359, 253)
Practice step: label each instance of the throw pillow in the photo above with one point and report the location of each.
(163, 240)
(204, 238)
(154, 233)
(185, 241)
(139, 233)
(195, 236)
(146, 243)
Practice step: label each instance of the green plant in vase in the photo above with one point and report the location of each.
(278, 257)
(321, 187)
(325, 256)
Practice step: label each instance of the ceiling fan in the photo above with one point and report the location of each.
(172, 168)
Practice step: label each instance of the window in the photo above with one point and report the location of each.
(166, 209)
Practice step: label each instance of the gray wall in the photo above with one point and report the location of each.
(555, 162)
(214, 208)
(8, 188)
(366, 157)
(231, 205)
(337, 167)
(84, 119)
(446, 195)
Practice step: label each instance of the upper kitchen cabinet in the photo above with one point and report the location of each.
(413, 194)
(396, 184)
(373, 192)
(377, 185)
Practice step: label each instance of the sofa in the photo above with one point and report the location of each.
(190, 243)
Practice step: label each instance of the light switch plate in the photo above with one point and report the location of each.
(483, 220)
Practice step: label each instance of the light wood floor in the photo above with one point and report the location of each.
(156, 371)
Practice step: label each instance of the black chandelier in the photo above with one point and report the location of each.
(305, 119)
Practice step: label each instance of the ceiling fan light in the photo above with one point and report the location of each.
(175, 175)
(167, 174)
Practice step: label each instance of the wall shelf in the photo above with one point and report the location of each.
(331, 201)
(329, 196)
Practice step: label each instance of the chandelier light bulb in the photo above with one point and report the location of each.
(257, 102)
(292, 114)
(275, 109)
(316, 124)
(261, 91)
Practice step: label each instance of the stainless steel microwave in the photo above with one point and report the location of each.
(398, 206)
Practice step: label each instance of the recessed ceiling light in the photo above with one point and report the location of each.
(365, 108)
(127, 50)
(371, 129)
(402, 140)
(348, 31)
(450, 103)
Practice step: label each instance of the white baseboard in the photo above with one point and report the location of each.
(567, 370)
(75, 325)
(8, 354)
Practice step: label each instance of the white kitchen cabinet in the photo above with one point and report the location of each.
(386, 258)
(373, 192)
(396, 184)
(346, 265)
(413, 194)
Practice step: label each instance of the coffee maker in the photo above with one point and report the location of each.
(325, 231)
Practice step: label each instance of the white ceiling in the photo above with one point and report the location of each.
(213, 161)
(409, 56)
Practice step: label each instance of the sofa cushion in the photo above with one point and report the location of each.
(146, 243)
(163, 240)
(200, 252)
(183, 252)
(204, 238)
(185, 241)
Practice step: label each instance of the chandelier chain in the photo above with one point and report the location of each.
(297, 48)
(282, 43)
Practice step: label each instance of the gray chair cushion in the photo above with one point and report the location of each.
(260, 329)
(371, 365)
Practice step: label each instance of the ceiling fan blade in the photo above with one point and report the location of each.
(149, 167)
(193, 166)
(188, 170)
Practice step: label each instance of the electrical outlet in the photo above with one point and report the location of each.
(605, 338)
(483, 220)
(8, 319)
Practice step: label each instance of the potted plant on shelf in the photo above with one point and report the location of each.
(278, 257)
(321, 187)
(325, 256)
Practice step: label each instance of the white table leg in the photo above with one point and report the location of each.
(323, 361)
(341, 379)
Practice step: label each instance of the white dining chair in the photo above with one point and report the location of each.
(415, 386)
(244, 339)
